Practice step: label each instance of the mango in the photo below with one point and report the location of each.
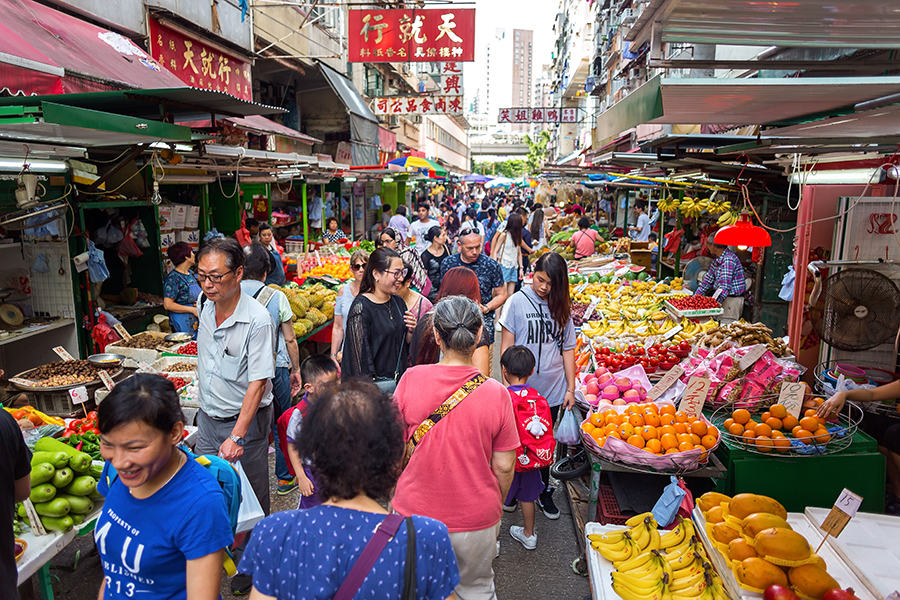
(723, 534)
(761, 521)
(744, 505)
(710, 500)
(782, 543)
(811, 580)
(760, 574)
(715, 515)
(739, 549)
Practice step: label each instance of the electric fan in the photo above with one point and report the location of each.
(32, 213)
(856, 309)
(695, 271)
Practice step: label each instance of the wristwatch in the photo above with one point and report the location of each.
(237, 440)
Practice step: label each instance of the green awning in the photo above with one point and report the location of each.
(679, 101)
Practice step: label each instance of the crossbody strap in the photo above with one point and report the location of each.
(384, 533)
(442, 411)
(409, 570)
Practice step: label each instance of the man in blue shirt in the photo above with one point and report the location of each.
(641, 230)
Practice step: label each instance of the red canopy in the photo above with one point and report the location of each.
(64, 54)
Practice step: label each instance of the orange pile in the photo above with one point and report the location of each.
(657, 430)
(338, 270)
(768, 434)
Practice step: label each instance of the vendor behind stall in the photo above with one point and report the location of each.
(726, 274)
(181, 290)
(267, 239)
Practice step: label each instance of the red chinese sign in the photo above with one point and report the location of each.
(199, 65)
(417, 105)
(421, 35)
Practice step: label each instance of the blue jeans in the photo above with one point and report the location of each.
(281, 389)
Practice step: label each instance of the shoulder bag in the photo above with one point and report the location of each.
(384, 533)
(440, 412)
(389, 384)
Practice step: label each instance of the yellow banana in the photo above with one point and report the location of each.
(636, 563)
(627, 593)
(646, 580)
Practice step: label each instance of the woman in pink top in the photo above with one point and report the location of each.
(462, 468)
(584, 239)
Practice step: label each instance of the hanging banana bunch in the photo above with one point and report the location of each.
(690, 207)
(728, 218)
(667, 205)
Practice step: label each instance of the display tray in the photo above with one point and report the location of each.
(837, 567)
(693, 314)
(41, 548)
(62, 388)
(869, 546)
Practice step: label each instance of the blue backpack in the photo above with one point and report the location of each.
(228, 479)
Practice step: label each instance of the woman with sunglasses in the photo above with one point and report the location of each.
(378, 327)
(344, 300)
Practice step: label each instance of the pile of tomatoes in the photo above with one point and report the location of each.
(189, 349)
(658, 357)
(694, 303)
(80, 426)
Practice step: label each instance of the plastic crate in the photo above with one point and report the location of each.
(59, 403)
(608, 507)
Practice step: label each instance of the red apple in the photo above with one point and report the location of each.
(592, 387)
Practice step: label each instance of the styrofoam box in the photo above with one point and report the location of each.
(165, 361)
(165, 217)
(192, 217)
(166, 240)
(188, 236)
(837, 567)
(135, 355)
(179, 215)
(869, 545)
(599, 569)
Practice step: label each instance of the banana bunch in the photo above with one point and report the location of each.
(646, 577)
(717, 208)
(728, 218)
(621, 546)
(690, 207)
(668, 205)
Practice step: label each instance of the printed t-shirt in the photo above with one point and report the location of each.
(489, 277)
(177, 287)
(528, 318)
(307, 554)
(449, 477)
(145, 544)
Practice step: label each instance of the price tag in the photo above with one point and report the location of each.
(791, 397)
(843, 510)
(694, 396)
(753, 355)
(665, 383)
(79, 395)
(318, 258)
(591, 307)
(120, 329)
(21, 381)
(146, 368)
(717, 294)
(581, 287)
(673, 332)
(61, 352)
(37, 527)
(107, 380)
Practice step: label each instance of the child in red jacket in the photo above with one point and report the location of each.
(532, 414)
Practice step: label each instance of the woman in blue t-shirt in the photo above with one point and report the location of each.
(181, 290)
(353, 439)
(164, 526)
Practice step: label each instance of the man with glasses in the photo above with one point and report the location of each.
(235, 363)
(490, 277)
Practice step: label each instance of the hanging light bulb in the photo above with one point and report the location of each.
(742, 248)
(743, 233)
(155, 198)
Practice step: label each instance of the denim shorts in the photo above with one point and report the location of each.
(510, 274)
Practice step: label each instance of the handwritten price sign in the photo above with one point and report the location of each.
(694, 396)
(791, 397)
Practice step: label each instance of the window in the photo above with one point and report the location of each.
(374, 81)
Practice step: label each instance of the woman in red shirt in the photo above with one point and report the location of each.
(584, 239)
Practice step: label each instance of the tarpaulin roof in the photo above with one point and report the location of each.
(45, 51)
(260, 124)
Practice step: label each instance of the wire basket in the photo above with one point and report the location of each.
(825, 373)
(840, 434)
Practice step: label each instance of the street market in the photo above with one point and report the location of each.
(243, 280)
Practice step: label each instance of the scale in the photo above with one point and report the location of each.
(10, 313)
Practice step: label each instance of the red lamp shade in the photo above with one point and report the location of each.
(743, 233)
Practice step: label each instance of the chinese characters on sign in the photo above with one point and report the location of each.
(538, 115)
(199, 65)
(421, 35)
(417, 105)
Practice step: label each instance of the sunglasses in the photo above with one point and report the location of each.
(468, 230)
(358, 267)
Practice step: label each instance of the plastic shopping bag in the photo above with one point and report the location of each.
(567, 432)
(667, 506)
(787, 285)
(251, 511)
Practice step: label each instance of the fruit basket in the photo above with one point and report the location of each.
(827, 373)
(762, 426)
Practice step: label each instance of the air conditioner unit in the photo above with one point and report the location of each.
(393, 121)
(629, 15)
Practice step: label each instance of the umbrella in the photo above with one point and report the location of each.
(476, 178)
(504, 182)
(421, 165)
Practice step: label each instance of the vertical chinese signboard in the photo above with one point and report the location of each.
(421, 35)
(198, 64)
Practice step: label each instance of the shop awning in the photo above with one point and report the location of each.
(810, 23)
(261, 125)
(45, 51)
(363, 122)
(348, 94)
(740, 101)
(184, 104)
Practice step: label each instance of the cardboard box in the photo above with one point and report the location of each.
(179, 215)
(166, 240)
(641, 258)
(165, 217)
(188, 236)
(192, 217)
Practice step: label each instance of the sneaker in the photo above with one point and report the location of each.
(286, 486)
(518, 533)
(241, 584)
(511, 507)
(498, 548)
(545, 504)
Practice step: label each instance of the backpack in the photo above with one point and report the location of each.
(532, 416)
(228, 479)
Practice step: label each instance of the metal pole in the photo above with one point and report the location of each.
(305, 218)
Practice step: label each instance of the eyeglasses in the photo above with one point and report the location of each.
(358, 267)
(468, 230)
(399, 273)
(213, 278)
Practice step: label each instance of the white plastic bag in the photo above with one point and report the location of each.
(250, 512)
(567, 432)
(787, 285)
